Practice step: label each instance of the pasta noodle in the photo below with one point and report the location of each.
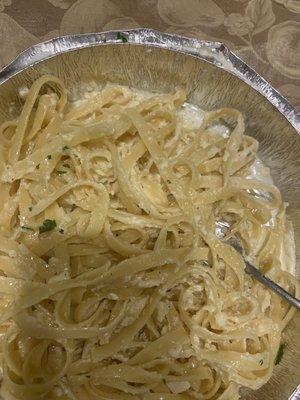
(116, 280)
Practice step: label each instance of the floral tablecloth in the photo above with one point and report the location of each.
(265, 33)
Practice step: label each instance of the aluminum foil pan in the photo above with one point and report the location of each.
(213, 77)
(213, 52)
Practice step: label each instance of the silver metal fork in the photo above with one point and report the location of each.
(250, 269)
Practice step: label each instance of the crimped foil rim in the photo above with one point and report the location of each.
(213, 52)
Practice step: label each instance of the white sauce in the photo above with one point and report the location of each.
(261, 172)
(23, 92)
(191, 117)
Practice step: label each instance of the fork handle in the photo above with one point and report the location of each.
(250, 269)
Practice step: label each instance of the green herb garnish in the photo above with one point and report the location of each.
(122, 37)
(49, 156)
(66, 165)
(30, 208)
(47, 226)
(33, 308)
(279, 354)
(261, 362)
(61, 172)
(26, 228)
(65, 148)
(61, 231)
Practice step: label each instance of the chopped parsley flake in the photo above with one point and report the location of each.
(33, 308)
(49, 157)
(280, 352)
(47, 226)
(66, 165)
(61, 231)
(26, 228)
(65, 148)
(61, 172)
(261, 362)
(30, 208)
(122, 37)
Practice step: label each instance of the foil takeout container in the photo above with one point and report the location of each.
(213, 77)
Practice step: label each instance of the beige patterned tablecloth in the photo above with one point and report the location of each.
(265, 33)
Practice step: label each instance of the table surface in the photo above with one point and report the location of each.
(265, 33)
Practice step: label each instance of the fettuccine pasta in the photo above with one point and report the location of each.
(116, 279)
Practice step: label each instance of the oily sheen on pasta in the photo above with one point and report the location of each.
(116, 279)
